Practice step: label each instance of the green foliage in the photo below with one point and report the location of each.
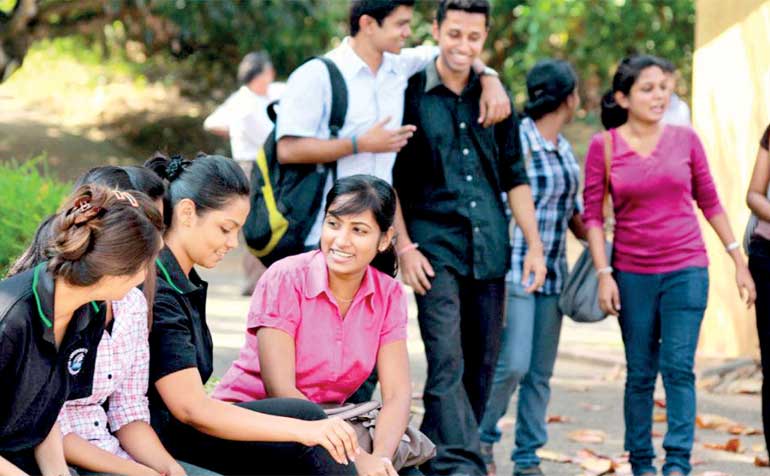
(27, 196)
(220, 32)
(592, 34)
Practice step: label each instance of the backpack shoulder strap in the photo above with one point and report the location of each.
(339, 96)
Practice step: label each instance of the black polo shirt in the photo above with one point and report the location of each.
(180, 338)
(35, 377)
(451, 174)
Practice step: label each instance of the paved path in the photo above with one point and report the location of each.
(587, 387)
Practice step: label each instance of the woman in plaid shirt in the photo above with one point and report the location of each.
(533, 321)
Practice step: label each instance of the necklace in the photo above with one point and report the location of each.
(344, 300)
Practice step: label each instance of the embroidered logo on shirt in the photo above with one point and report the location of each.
(75, 362)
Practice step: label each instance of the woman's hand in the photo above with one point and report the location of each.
(174, 469)
(609, 296)
(334, 434)
(745, 283)
(371, 465)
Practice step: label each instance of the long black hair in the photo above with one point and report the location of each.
(210, 181)
(366, 192)
(549, 83)
(628, 72)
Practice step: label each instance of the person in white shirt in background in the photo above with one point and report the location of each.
(243, 118)
(678, 112)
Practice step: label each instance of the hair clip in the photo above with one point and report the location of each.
(83, 210)
(127, 197)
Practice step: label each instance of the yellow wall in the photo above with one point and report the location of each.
(731, 108)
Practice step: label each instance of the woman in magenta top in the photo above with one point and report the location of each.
(319, 322)
(659, 266)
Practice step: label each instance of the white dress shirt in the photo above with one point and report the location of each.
(306, 105)
(244, 115)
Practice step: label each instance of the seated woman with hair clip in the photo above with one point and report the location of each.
(206, 204)
(320, 321)
(109, 431)
(52, 317)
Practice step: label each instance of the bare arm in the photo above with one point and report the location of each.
(608, 294)
(9, 469)
(183, 394)
(277, 363)
(395, 384)
(494, 105)
(756, 198)
(140, 441)
(746, 288)
(523, 208)
(416, 270)
(49, 454)
(81, 453)
(310, 150)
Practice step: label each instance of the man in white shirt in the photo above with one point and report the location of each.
(243, 117)
(376, 71)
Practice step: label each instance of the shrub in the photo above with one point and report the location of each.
(28, 194)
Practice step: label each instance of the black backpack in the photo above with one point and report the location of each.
(285, 198)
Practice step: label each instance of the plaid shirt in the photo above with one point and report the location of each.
(120, 379)
(554, 176)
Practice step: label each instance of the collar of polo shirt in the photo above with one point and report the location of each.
(43, 290)
(172, 273)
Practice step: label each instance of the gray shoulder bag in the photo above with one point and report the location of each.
(580, 297)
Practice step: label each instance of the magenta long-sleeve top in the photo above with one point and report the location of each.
(656, 229)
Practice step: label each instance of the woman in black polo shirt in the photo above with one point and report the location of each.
(52, 318)
(206, 204)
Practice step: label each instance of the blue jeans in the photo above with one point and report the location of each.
(660, 321)
(527, 356)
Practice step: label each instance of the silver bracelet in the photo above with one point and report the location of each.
(732, 246)
(605, 270)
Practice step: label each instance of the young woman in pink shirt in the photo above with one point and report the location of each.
(321, 321)
(659, 267)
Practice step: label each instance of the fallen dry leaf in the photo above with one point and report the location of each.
(732, 446)
(558, 419)
(656, 434)
(708, 421)
(660, 403)
(758, 448)
(659, 417)
(739, 429)
(553, 456)
(587, 436)
(761, 462)
(597, 466)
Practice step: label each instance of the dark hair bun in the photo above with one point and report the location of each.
(549, 84)
(613, 115)
(167, 168)
(77, 226)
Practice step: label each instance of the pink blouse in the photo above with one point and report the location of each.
(333, 356)
(656, 229)
(120, 379)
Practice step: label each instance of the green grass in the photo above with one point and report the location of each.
(27, 195)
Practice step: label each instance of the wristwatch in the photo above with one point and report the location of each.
(490, 72)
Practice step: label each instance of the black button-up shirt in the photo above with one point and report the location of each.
(451, 175)
(35, 377)
(180, 338)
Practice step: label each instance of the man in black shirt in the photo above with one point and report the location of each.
(450, 178)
